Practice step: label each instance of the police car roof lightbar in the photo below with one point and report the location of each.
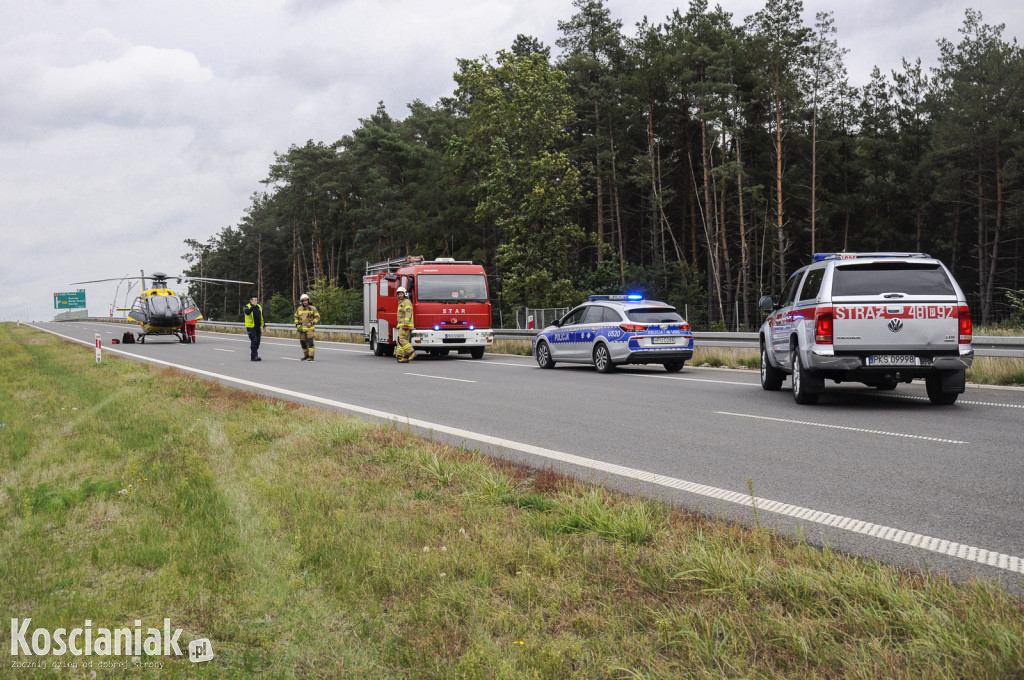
(632, 297)
(820, 257)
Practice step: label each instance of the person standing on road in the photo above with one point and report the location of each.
(255, 324)
(405, 351)
(306, 319)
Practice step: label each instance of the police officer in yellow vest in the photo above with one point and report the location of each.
(404, 351)
(255, 324)
(306, 319)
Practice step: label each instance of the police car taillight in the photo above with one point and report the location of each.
(963, 322)
(632, 327)
(823, 327)
(684, 326)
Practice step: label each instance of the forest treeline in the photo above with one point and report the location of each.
(699, 160)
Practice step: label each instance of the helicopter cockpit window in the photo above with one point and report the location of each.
(164, 305)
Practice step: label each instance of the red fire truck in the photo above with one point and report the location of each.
(451, 307)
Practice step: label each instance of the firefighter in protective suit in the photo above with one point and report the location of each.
(306, 319)
(404, 351)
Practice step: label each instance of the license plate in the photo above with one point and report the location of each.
(664, 340)
(893, 360)
(454, 335)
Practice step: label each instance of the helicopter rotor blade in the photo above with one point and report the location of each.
(118, 278)
(188, 279)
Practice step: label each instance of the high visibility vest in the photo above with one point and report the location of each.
(250, 318)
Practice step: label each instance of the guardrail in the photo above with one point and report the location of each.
(984, 345)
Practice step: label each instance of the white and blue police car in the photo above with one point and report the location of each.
(608, 330)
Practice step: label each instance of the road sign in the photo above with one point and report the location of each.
(72, 300)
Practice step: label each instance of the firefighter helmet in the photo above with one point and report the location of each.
(303, 297)
(401, 289)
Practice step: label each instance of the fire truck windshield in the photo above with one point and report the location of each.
(450, 287)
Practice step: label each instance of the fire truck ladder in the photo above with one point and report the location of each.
(393, 264)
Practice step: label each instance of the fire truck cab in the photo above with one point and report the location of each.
(451, 305)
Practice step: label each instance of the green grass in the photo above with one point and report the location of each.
(304, 543)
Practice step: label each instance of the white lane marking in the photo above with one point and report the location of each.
(959, 401)
(218, 349)
(700, 380)
(841, 427)
(949, 548)
(440, 377)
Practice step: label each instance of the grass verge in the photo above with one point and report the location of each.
(305, 543)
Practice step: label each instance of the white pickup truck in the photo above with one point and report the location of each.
(875, 318)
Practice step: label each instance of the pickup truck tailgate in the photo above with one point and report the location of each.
(895, 327)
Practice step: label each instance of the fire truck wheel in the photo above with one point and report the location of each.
(477, 352)
(375, 346)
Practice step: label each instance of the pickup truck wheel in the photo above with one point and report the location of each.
(477, 352)
(933, 384)
(603, 359)
(375, 345)
(771, 377)
(804, 384)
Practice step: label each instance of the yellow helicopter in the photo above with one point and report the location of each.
(161, 311)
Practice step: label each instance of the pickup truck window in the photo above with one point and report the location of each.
(812, 284)
(876, 278)
(789, 292)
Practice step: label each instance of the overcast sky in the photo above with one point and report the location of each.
(128, 126)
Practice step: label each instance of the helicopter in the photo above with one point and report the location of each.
(161, 311)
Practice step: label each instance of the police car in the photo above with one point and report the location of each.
(609, 330)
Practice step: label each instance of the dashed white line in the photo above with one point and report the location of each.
(959, 401)
(788, 421)
(440, 377)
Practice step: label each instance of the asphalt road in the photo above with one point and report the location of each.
(881, 474)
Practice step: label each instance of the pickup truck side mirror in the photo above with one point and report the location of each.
(767, 304)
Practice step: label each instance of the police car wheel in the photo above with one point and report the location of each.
(544, 355)
(771, 377)
(801, 394)
(603, 359)
(674, 366)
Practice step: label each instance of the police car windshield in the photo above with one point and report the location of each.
(653, 315)
(451, 288)
(876, 278)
